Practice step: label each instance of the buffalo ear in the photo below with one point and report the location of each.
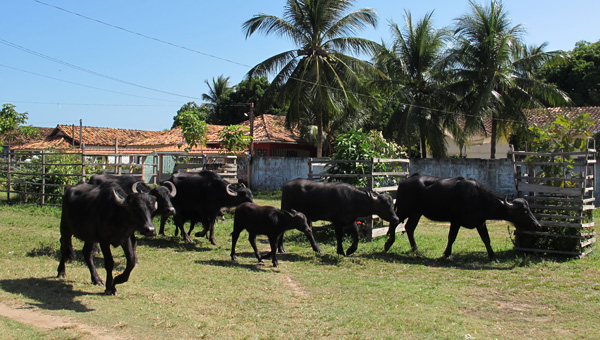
(118, 199)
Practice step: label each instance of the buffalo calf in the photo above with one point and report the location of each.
(270, 221)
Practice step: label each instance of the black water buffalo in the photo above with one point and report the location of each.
(270, 221)
(200, 198)
(460, 201)
(106, 215)
(339, 203)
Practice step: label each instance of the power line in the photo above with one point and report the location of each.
(38, 54)
(88, 86)
(82, 104)
(143, 35)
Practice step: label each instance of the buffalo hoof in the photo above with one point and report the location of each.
(200, 234)
(341, 252)
(112, 291)
(351, 251)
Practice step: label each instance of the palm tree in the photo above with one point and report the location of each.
(317, 79)
(489, 72)
(415, 84)
(218, 92)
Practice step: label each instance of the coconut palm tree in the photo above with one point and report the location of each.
(218, 92)
(318, 78)
(415, 83)
(489, 74)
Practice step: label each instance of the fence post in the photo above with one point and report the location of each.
(43, 178)
(8, 177)
(310, 169)
(370, 186)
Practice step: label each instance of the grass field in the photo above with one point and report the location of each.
(194, 291)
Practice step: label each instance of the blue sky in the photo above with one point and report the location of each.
(148, 58)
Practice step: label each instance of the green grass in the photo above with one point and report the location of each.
(191, 291)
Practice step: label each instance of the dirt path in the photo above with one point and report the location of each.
(37, 319)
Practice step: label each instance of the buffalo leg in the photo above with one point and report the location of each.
(252, 240)
(109, 264)
(339, 236)
(211, 222)
(485, 237)
(163, 221)
(131, 257)
(451, 238)
(179, 224)
(66, 253)
(234, 237)
(391, 234)
(410, 227)
(192, 225)
(273, 243)
(88, 256)
(354, 234)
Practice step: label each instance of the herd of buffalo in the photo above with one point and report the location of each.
(109, 209)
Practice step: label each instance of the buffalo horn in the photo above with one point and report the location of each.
(134, 187)
(507, 204)
(231, 192)
(118, 199)
(173, 190)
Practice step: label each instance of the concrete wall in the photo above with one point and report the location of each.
(496, 174)
(271, 173)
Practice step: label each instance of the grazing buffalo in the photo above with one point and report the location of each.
(270, 221)
(200, 198)
(340, 203)
(460, 201)
(106, 215)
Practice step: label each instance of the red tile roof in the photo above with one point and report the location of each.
(102, 136)
(546, 116)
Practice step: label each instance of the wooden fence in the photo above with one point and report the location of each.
(379, 174)
(560, 190)
(43, 176)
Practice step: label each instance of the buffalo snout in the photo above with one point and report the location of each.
(148, 231)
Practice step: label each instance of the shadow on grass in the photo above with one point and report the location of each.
(176, 242)
(50, 293)
(282, 258)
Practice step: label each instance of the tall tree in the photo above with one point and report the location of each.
(415, 83)
(580, 77)
(218, 93)
(317, 79)
(488, 72)
(202, 111)
(12, 125)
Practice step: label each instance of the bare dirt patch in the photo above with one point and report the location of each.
(35, 318)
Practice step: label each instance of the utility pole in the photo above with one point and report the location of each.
(251, 148)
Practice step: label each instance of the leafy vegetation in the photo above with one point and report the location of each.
(356, 145)
(190, 291)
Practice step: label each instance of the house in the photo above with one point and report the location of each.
(479, 145)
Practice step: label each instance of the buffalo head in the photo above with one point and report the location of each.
(519, 213)
(140, 207)
(163, 195)
(384, 207)
(239, 193)
(299, 222)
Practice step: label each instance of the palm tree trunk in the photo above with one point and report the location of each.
(493, 141)
(319, 135)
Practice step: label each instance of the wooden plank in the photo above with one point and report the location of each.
(385, 189)
(392, 173)
(548, 189)
(588, 242)
(377, 232)
(547, 251)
